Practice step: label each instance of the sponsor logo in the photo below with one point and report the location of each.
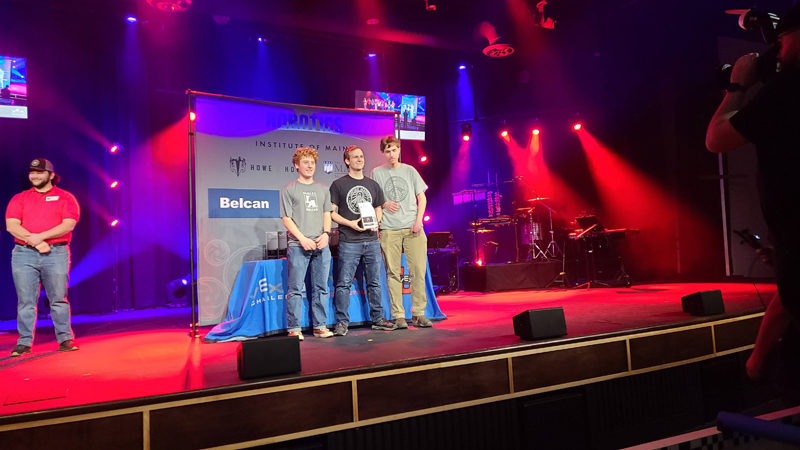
(289, 119)
(339, 168)
(243, 203)
(265, 292)
(238, 165)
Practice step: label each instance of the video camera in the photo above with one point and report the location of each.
(766, 23)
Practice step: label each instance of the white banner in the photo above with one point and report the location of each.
(243, 156)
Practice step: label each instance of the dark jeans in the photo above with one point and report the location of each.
(351, 254)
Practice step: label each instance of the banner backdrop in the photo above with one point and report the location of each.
(243, 156)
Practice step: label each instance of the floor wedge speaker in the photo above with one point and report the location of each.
(540, 323)
(703, 303)
(267, 357)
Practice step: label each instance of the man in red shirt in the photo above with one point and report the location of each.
(41, 219)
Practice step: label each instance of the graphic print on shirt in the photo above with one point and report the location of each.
(397, 189)
(356, 195)
(311, 201)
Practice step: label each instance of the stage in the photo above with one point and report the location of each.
(140, 381)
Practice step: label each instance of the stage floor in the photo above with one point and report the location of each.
(148, 353)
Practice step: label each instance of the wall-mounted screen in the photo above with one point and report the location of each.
(13, 87)
(409, 111)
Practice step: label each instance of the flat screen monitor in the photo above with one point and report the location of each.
(13, 87)
(409, 111)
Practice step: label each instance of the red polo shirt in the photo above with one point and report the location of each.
(41, 211)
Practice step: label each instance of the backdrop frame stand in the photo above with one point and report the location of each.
(192, 212)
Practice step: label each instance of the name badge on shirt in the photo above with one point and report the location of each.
(51, 198)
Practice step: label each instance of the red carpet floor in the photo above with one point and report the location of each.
(147, 353)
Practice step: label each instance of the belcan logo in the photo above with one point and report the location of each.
(243, 203)
(238, 165)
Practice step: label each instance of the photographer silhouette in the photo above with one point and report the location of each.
(767, 114)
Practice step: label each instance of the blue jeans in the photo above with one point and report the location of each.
(299, 262)
(350, 255)
(31, 270)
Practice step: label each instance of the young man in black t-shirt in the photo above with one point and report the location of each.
(357, 244)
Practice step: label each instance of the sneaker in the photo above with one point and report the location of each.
(384, 325)
(67, 346)
(323, 333)
(400, 324)
(298, 334)
(421, 321)
(340, 329)
(20, 349)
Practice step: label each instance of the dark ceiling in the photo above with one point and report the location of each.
(453, 25)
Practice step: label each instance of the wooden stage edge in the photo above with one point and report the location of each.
(286, 408)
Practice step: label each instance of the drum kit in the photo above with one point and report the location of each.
(530, 232)
(534, 240)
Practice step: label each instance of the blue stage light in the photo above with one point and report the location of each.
(131, 19)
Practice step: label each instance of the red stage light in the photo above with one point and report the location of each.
(479, 262)
(114, 223)
(535, 132)
(427, 218)
(114, 148)
(192, 116)
(423, 159)
(577, 126)
(466, 132)
(504, 134)
(114, 184)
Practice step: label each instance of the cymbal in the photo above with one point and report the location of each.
(537, 199)
(480, 230)
(523, 210)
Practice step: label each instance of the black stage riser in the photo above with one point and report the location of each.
(506, 277)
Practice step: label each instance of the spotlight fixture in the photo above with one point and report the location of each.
(535, 132)
(192, 116)
(371, 55)
(423, 159)
(577, 126)
(113, 223)
(131, 19)
(116, 147)
(427, 218)
(498, 47)
(462, 67)
(466, 132)
(114, 184)
(504, 134)
(544, 14)
(171, 5)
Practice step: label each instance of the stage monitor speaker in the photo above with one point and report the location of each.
(267, 357)
(543, 323)
(703, 303)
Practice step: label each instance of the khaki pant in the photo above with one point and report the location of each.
(415, 246)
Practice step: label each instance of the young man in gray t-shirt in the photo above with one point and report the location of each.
(306, 213)
(401, 232)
